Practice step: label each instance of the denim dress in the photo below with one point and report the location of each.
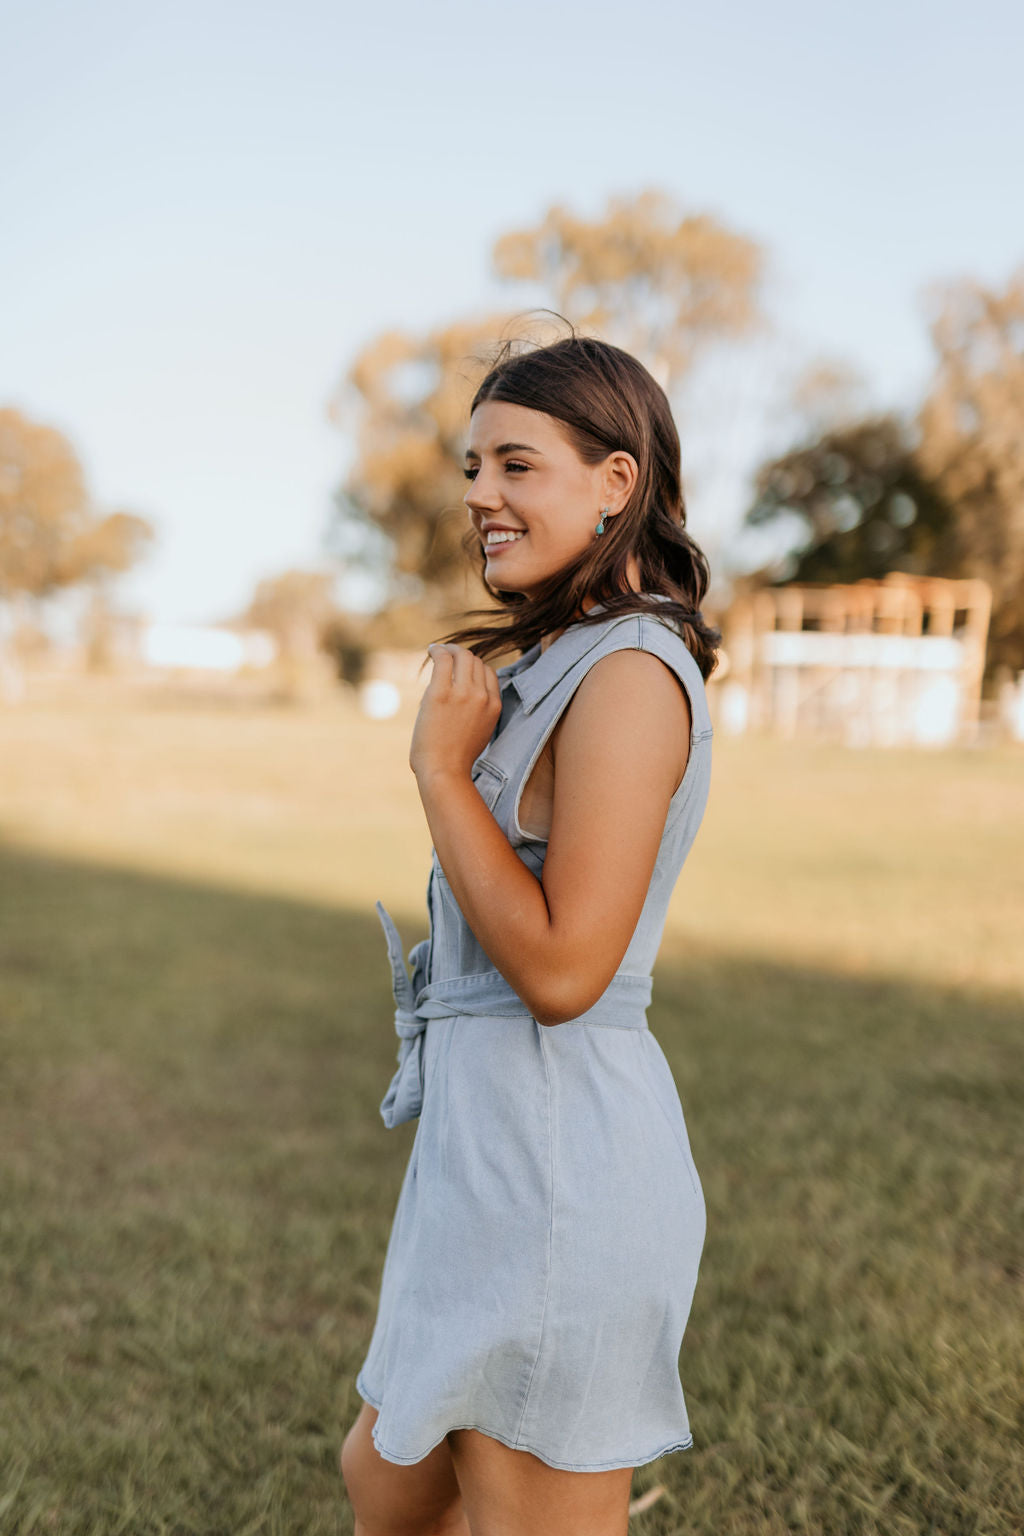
(544, 1251)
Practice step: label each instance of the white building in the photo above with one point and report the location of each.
(875, 663)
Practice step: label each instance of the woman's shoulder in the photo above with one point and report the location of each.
(654, 636)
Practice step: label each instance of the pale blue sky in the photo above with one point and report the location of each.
(206, 210)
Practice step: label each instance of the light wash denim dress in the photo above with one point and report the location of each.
(545, 1247)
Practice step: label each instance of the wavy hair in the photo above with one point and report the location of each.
(606, 401)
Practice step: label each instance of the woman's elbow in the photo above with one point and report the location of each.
(560, 999)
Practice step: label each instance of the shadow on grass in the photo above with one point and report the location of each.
(197, 1190)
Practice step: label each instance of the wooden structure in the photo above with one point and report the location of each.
(890, 662)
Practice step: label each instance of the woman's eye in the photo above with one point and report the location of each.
(512, 464)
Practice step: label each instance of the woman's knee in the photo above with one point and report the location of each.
(391, 1500)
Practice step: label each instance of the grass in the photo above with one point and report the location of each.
(196, 1189)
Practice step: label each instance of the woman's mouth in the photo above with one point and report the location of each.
(500, 538)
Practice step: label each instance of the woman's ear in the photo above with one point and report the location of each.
(620, 475)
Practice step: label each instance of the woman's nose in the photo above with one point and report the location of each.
(482, 494)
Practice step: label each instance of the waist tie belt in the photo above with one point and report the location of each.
(487, 995)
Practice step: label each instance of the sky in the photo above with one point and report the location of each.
(206, 210)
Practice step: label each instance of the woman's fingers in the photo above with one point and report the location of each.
(460, 673)
(464, 675)
(441, 656)
(461, 667)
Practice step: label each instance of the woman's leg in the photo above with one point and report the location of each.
(391, 1500)
(513, 1493)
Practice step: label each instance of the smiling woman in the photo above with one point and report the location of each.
(576, 461)
(525, 1357)
(535, 512)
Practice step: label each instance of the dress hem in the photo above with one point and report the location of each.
(517, 1445)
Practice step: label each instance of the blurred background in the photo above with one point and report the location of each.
(253, 262)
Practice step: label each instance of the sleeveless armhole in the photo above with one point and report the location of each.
(635, 632)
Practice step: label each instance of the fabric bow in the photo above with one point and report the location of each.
(404, 1098)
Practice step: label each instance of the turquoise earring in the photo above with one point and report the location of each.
(600, 526)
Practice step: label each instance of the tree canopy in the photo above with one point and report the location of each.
(51, 536)
(662, 284)
(865, 505)
(295, 607)
(972, 441)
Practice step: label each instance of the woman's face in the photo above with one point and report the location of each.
(533, 501)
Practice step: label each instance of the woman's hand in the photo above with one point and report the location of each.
(457, 715)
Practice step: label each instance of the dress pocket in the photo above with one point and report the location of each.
(490, 780)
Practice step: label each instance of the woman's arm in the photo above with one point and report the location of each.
(621, 750)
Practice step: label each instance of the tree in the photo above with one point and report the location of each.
(972, 442)
(110, 546)
(51, 535)
(646, 277)
(864, 504)
(828, 394)
(295, 608)
(43, 506)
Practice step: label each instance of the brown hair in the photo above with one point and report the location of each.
(606, 401)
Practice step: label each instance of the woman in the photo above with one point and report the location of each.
(545, 1247)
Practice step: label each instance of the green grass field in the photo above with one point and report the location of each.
(195, 1029)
